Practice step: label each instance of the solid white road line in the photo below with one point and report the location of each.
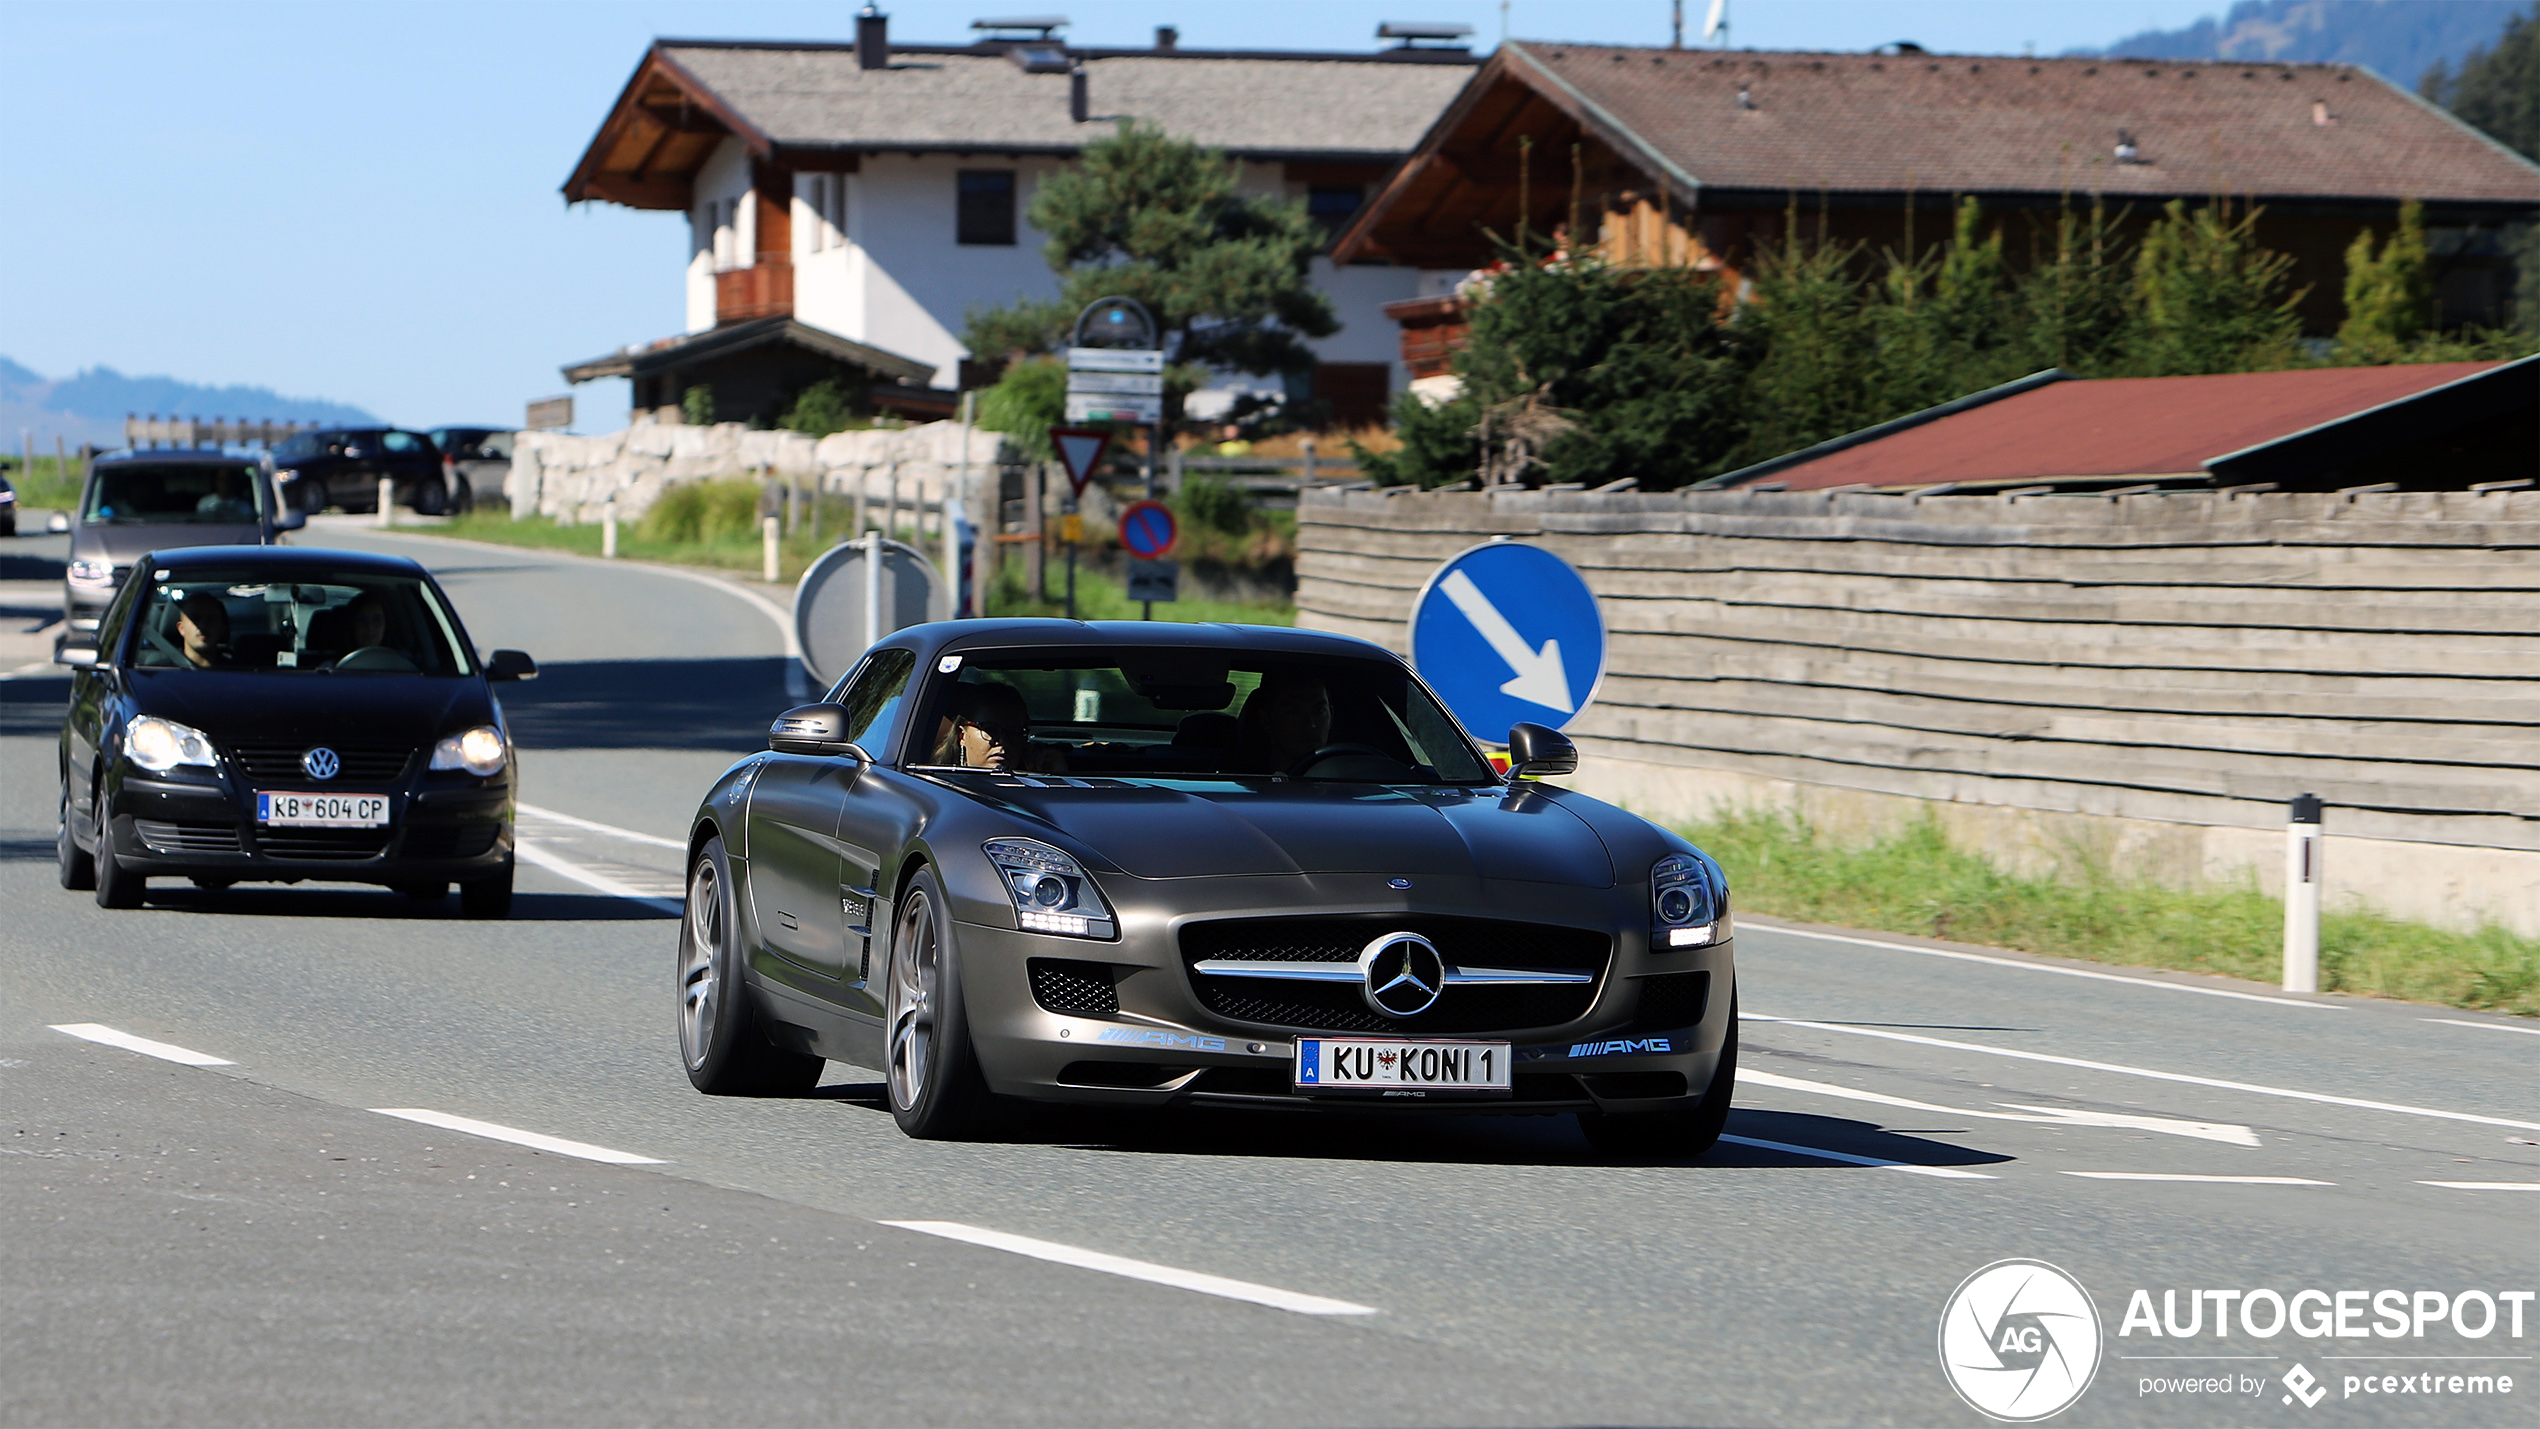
(2153, 983)
(2490, 1026)
(2484, 1185)
(1946, 1172)
(107, 1036)
(1271, 1296)
(2122, 1070)
(493, 1131)
(2217, 1180)
(2041, 1115)
(599, 882)
(612, 830)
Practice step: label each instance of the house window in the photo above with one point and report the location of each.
(987, 208)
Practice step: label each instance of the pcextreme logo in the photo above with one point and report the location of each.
(2019, 1341)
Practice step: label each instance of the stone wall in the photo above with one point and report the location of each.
(570, 478)
(2140, 682)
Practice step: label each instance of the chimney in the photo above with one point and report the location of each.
(872, 39)
(1079, 103)
(1167, 37)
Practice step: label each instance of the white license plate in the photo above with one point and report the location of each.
(1354, 1064)
(322, 811)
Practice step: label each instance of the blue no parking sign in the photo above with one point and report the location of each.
(1506, 633)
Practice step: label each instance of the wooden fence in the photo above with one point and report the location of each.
(2145, 678)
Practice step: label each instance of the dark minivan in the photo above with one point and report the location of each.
(265, 714)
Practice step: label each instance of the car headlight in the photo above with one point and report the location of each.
(88, 572)
(1050, 890)
(1683, 913)
(479, 751)
(159, 745)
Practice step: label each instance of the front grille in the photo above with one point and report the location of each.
(449, 840)
(1340, 1007)
(278, 765)
(1671, 1001)
(323, 845)
(1078, 989)
(187, 836)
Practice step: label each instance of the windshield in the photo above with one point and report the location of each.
(297, 622)
(199, 493)
(1194, 714)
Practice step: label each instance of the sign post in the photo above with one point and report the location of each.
(1508, 633)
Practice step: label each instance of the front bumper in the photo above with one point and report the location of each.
(205, 827)
(1649, 1037)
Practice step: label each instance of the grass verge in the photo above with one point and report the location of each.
(1917, 882)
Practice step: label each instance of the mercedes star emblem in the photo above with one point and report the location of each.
(321, 763)
(1403, 974)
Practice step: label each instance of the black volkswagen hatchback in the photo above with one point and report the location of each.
(274, 714)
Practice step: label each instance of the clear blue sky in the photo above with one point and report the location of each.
(358, 201)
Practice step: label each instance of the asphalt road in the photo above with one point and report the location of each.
(252, 1242)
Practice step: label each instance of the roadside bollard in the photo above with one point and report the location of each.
(2302, 896)
(387, 502)
(767, 550)
(608, 528)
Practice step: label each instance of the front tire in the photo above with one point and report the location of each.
(1672, 1133)
(117, 886)
(78, 870)
(720, 1040)
(937, 1093)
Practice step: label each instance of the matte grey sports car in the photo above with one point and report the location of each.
(1141, 864)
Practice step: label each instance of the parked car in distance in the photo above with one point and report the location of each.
(135, 502)
(476, 462)
(341, 467)
(253, 714)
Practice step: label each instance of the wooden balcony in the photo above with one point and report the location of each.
(763, 291)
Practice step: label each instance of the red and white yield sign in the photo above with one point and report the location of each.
(1147, 529)
(1080, 449)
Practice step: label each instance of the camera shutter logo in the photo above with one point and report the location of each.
(2019, 1341)
(320, 763)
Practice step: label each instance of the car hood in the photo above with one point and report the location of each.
(235, 706)
(123, 545)
(1191, 829)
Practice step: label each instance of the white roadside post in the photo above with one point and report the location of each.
(387, 502)
(872, 589)
(2302, 896)
(767, 549)
(608, 528)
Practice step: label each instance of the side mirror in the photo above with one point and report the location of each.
(291, 519)
(811, 729)
(78, 657)
(1535, 750)
(510, 665)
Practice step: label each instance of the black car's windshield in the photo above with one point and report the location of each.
(177, 493)
(1183, 713)
(301, 621)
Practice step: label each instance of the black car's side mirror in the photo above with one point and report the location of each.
(510, 665)
(811, 729)
(78, 657)
(1535, 750)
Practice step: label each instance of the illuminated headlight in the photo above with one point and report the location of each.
(1050, 890)
(1682, 913)
(87, 572)
(480, 752)
(159, 745)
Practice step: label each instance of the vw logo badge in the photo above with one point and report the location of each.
(1403, 974)
(321, 763)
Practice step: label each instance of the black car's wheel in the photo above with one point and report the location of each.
(1672, 1133)
(117, 886)
(936, 1091)
(726, 1051)
(487, 897)
(78, 870)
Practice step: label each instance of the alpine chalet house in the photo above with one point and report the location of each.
(1703, 157)
(849, 204)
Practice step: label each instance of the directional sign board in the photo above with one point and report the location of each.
(829, 604)
(1106, 384)
(1079, 449)
(1507, 633)
(1147, 529)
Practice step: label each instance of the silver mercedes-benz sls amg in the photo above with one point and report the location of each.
(1020, 861)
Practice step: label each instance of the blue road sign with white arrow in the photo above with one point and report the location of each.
(1505, 633)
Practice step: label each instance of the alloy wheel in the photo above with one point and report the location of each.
(913, 967)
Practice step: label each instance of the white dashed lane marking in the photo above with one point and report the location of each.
(1148, 1271)
(537, 1141)
(164, 1051)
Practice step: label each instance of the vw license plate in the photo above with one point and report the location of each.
(322, 811)
(1400, 1068)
